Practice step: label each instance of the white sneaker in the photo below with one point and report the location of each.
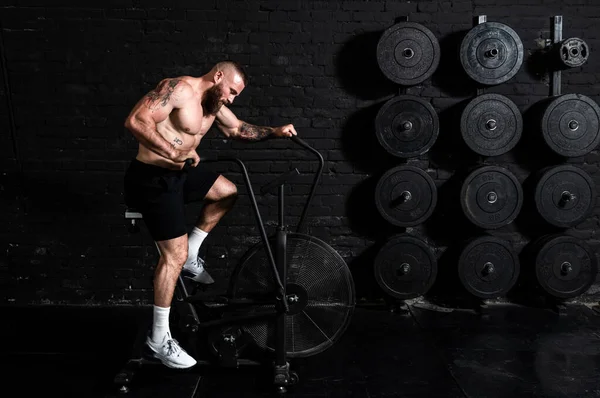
(197, 271)
(170, 353)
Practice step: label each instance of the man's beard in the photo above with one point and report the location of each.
(212, 100)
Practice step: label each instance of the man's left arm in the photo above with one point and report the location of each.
(237, 129)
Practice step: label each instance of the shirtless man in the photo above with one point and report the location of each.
(169, 123)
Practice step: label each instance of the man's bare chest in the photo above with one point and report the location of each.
(190, 120)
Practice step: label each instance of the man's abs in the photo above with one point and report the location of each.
(179, 140)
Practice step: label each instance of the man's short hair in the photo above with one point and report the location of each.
(223, 65)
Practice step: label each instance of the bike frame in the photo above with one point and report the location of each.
(276, 256)
(277, 260)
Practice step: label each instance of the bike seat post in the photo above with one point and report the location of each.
(124, 377)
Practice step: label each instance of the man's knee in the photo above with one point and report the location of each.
(174, 254)
(175, 260)
(222, 190)
(231, 191)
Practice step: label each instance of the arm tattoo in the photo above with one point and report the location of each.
(161, 95)
(254, 133)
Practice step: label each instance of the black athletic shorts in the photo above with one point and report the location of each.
(160, 195)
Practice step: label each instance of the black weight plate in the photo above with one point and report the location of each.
(572, 52)
(565, 195)
(405, 267)
(407, 126)
(491, 124)
(488, 267)
(405, 196)
(491, 53)
(491, 197)
(571, 125)
(565, 267)
(408, 53)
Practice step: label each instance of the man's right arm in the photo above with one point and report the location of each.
(152, 109)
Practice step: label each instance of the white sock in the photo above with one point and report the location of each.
(160, 326)
(195, 239)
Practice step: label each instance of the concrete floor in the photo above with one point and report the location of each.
(416, 351)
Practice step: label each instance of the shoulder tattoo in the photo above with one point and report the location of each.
(160, 96)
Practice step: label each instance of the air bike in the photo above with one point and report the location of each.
(290, 296)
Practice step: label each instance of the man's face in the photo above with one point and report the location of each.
(229, 86)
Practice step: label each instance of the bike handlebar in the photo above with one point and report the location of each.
(297, 140)
(300, 141)
(188, 164)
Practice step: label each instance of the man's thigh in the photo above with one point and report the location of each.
(157, 194)
(165, 218)
(198, 183)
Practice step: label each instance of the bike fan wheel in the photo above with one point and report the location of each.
(317, 276)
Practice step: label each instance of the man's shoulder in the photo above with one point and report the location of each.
(176, 85)
(176, 81)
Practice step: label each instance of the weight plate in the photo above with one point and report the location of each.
(408, 53)
(488, 267)
(405, 196)
(491, 53)
(572, 52)
(491, 197)
(565, 267)
(405, 267)
(491, 124)
(565, 195)
(571, 125)
(407, 126)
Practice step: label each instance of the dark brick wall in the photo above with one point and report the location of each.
(74, 69)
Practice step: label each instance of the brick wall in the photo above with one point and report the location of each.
(74, 70)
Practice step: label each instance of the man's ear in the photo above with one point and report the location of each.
(218, 76)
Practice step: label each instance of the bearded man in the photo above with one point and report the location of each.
(169, 123)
